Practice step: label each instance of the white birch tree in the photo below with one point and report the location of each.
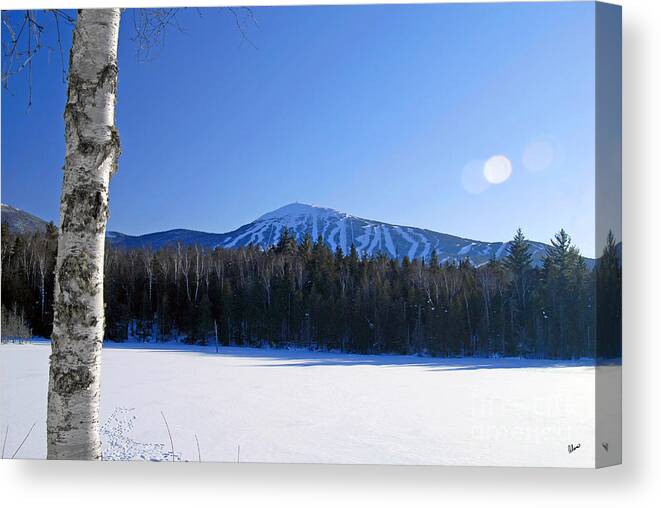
(92, 149)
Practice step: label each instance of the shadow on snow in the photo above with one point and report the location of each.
(308, 358)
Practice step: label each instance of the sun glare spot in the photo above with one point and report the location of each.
(497, 169)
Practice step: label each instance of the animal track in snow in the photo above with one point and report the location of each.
(117, 445)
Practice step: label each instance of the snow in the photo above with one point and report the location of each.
(376, 239)
(304, 406)
(315, 228)
(231, 242)
(294, 210)
(343, 237)
(363, 239)
(414, 243)
(389, 243)
(466, 249)
(331, 237)
(501, 250)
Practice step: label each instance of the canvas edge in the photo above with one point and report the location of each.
(608, 215)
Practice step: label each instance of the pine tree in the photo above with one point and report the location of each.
(286, 243)
(353, 260)
(519, 263)
(609, 301)
(339, 255)
(433, 260)
(519, 258)
(305, 247)
(51, 231)
(566, 298)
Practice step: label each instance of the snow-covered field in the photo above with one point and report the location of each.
(258, 405)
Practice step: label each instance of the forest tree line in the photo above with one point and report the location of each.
(306, 295)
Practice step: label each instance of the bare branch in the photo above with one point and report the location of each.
(19, 53)
(59, 45)
(14, 45)
(150, 27)
(240, 22)
(61, 14)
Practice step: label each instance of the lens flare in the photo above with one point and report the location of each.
(497, 169)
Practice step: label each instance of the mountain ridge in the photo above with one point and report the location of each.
(338, 229)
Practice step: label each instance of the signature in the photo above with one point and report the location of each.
(572, 448)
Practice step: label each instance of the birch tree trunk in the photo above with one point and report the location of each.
(92, 149)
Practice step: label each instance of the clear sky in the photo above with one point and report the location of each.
(385, 112)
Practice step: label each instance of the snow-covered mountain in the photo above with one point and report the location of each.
(337, 229)
(20, 221)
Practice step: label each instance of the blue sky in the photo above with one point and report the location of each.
(379, 111)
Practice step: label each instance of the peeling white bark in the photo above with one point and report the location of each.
(92, 148)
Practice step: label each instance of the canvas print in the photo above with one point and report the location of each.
(357, 234)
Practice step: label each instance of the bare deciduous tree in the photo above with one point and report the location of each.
(148, 261)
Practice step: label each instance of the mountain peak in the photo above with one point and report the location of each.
(297, 209)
